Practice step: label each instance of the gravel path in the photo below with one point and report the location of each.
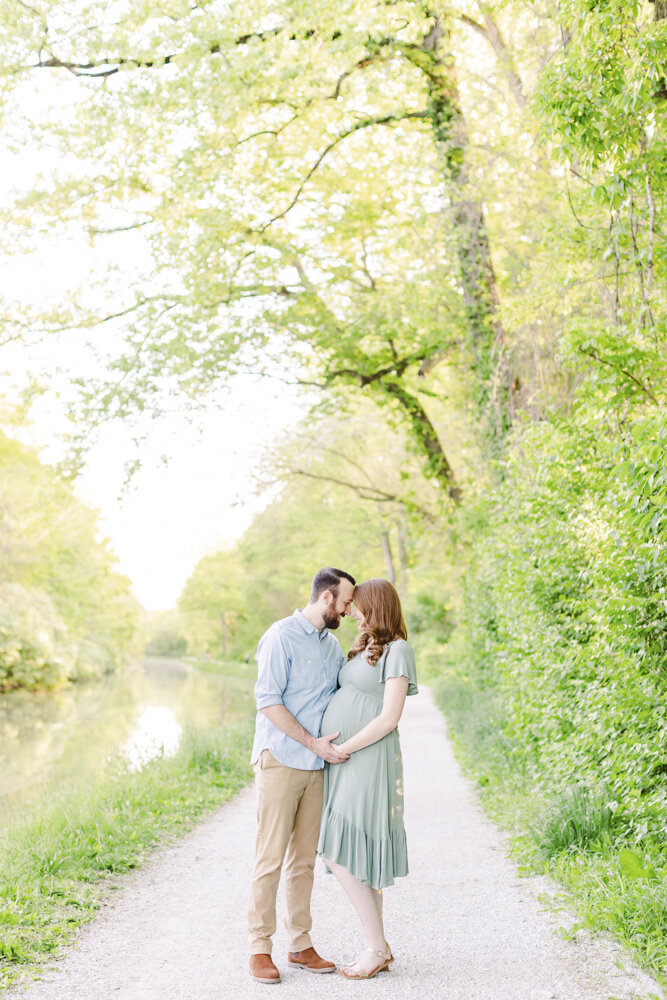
(463, 925)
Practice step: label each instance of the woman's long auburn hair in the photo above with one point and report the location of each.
(380, 605)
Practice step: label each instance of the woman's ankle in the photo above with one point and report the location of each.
(379, 947)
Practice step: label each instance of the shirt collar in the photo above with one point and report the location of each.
(308, 626)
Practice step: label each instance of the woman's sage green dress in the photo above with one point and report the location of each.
(362, 819)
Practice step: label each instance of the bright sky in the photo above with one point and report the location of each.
(195, 501)
(193, 494)
(194, 491)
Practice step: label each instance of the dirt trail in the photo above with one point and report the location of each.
(463, 925)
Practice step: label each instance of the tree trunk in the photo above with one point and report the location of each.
(659, 14)
(388, 557)
(485, 334)
(223, 628)
(402, 557)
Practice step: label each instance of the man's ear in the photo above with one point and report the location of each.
(328, 596)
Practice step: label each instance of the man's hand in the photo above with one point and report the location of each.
(285, 721)
(325, 749)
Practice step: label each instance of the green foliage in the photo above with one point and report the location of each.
(308, 526)
(571, 561)
(559, 652)
(211, 606)
(602, 94)
(428, 614)
(612, 886)
(631, 865)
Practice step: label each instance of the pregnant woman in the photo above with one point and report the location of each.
(362, 838)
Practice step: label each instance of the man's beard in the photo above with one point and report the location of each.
(331, 620)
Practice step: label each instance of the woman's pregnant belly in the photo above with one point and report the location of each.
(349, 711)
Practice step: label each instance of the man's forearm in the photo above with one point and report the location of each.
(285, 721)
(321, 746)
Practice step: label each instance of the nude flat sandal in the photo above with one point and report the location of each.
(385, 961)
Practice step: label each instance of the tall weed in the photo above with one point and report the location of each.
(580, 817)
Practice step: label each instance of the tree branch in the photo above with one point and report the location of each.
(348, 72)
(660, 14)
(345, 458)
(119, 229)
(395, 369)
(437, 464)
(365, 123)
(113, 64)
(603, 361)
(433, 359)
(490, 31)
(363, 492)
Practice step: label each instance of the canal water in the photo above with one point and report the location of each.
(73, 736)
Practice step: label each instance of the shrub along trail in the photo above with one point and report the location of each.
(463, 925)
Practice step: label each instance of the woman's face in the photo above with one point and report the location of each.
(357, 615)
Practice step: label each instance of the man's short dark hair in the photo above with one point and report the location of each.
(328, 579)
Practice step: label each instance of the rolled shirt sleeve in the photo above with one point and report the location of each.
(272, 670)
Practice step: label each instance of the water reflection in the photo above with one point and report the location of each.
(157, 732)
(70, 736)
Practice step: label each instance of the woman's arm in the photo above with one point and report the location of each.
(395, 690)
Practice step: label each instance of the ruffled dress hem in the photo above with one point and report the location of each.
(375, 862)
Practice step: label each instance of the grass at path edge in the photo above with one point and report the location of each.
(613, 884)
(57, 864)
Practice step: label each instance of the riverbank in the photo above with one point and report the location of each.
(615, 883)
(67, 738)
(59, 862)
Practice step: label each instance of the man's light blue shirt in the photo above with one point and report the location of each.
(298, 668)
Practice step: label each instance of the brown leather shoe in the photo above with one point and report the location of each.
(309, 960)
(263, 970)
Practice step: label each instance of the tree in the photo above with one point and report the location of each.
(306, 160)
(67, 613)
(212, 603)
(603, 101)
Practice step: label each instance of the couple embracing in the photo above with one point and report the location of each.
(339, 794)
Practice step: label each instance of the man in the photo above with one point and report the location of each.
(298, 662)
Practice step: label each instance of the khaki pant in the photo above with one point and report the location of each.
(289, 808)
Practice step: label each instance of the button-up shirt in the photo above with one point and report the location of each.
(298, 668)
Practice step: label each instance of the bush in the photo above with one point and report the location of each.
(35, 650)
(564, 615)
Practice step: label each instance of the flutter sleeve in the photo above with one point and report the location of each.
(398, 660)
